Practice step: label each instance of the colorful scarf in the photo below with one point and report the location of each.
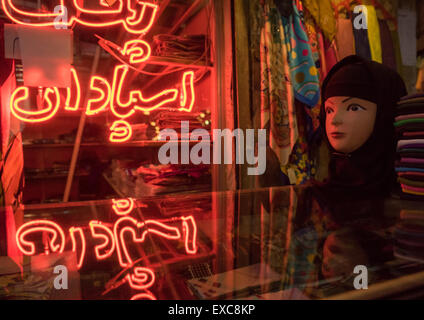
(302, 65)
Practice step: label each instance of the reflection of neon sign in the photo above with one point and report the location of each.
(110, 239)
(123, 207)
(122, 103)
(139, 16)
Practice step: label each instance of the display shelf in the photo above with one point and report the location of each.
(53, 175)
(168, 61)
(141, 143)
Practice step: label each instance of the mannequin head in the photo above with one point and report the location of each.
(357, 117)
(349, 122)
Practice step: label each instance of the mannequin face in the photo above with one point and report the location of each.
(349, 122)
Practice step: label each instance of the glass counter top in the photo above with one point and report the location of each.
(274, 243)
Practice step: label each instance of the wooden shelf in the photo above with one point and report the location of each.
(177, 62)
(142, 143)
(52, 175)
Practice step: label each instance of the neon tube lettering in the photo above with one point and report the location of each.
(188, 97)
(125, 110)
(21, 94)
(57, 241)
(100, 231)
(139, 16)
(122, 207)
(128, 224)
(190, 234)
(138, 51)
(80, 259)
(141, 279)
(102, 86)
(77, 85)
(143, 296)
(121, 131)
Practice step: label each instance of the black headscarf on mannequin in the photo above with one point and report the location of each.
(369, 169)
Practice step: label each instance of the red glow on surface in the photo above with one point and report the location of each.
(128, 224)
(96, 105)
(143, 296)
(103, 11)
(69, 95)
(138, 19)
(100, 231)
(121, 131)
(141, 279)
(123, 207)
(138, 278)
(81, 257)
(40, 226)
(34, 116)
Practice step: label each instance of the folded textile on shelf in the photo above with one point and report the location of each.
(190, 47)
(409, 126)
(409, 236)
(173, 120)
(147, 179)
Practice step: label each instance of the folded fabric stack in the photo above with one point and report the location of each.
(173, 120)
(409, 124)
(135, 180)
(409, 236)
(191, 47)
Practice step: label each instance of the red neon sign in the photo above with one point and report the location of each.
(100, 231)
(121, 130)
(21, 94)
(81, 257)
(130, 225)
(77, 96)
(57, 241)
(139, 16)
(123, 207)
(143, 296)
(112, 239)
(141, 279)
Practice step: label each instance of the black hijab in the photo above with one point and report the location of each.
(368, 170)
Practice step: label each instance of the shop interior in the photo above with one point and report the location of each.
(108, 105)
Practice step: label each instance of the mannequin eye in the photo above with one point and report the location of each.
(328, 110)
(355, 107)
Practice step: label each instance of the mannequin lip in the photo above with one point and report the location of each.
(337, 134)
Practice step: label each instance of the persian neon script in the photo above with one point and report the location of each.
(104, 94)
(45, 237)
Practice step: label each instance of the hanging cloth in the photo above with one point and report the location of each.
(374, 35)
(362, 45)
(277, 100)
(344, 38)
(302, 66)
(323, 14)
(331, 54)
(387, 47)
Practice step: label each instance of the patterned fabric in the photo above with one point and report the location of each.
(344, 38)
(301, 167)
(323, 13)
(277, 102)
(302, 66)
(315, 41)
